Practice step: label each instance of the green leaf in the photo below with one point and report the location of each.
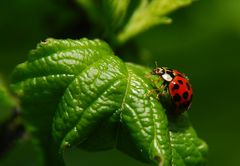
(115, 12)
(41, 81)
(149, 13)
(92, 8)
(188, 149)
(125, 19)
(78, 93)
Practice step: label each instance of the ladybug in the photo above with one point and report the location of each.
(176, 85)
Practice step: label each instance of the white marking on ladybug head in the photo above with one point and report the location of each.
(167, 77)
(158, 71)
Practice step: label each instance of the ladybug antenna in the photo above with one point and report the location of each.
(156, 65)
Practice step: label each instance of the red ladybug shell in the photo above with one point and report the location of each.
(181, 91)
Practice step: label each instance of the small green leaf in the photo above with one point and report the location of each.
(149, 13)
(115, 12)
(125, 19)
(77, 93)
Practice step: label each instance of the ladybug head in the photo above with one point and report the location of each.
(158, 71)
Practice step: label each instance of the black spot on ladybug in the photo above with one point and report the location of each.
(185, 95)
(180, 81)
(188, 86)
(175, 87)
(177, 97)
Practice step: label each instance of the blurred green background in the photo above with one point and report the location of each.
(203, 41)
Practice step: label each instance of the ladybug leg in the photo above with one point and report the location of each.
(158, 90)
(160, 95)
(153, 91)
(148, 75)
(163, 90)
